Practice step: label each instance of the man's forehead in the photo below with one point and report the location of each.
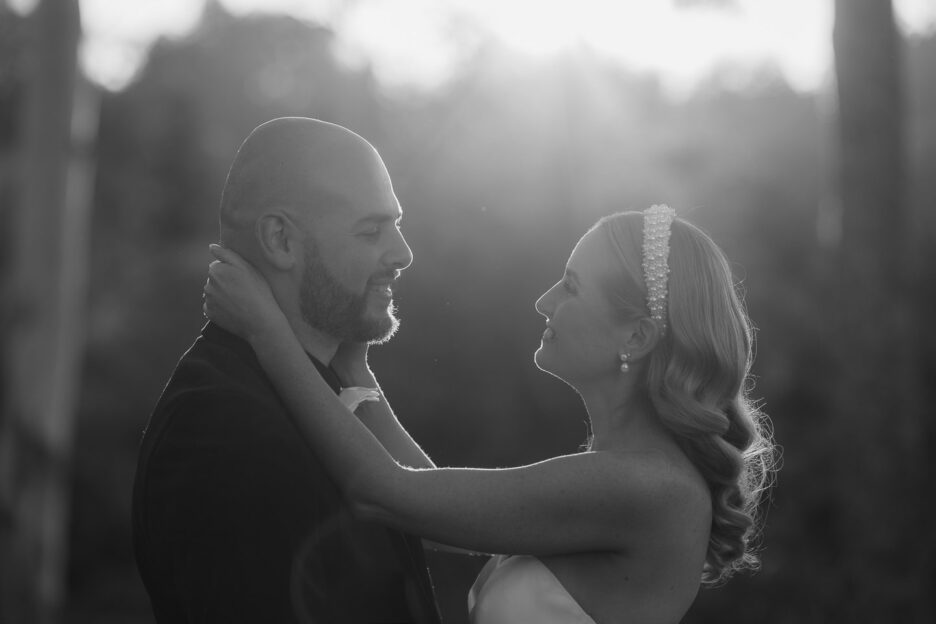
(345, 212)
(363, 185)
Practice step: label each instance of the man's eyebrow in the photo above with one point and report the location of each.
(379, 218)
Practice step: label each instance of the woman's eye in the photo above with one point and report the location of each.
(569, 288)
(372, 233)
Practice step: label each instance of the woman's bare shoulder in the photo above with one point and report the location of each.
(666, 480)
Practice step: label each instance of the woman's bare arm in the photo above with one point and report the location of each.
(379, 418)
(574, 503)
(594, 501)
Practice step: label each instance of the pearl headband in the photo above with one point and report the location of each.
(656, 235)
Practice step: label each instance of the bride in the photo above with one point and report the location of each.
(645, 324)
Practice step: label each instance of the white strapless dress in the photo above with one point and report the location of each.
(520, 589)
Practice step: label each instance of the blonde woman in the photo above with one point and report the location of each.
(646, 325)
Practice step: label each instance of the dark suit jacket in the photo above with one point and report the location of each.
(235, 520)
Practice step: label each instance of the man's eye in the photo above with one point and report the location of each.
(568, 287)
(371, 233)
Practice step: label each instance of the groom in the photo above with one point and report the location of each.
(234, 519)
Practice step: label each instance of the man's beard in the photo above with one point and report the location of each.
(329, 307)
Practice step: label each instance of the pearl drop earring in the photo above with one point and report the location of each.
(624, 365)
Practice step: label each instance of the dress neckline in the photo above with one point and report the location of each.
(555, 579)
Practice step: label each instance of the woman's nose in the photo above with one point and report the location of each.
(543, 305)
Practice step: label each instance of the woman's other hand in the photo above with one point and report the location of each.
(238, 298)
(355, 395)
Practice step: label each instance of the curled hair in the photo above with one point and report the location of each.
(698, 380)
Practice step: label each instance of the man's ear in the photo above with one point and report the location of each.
(640, 337)
(278, 240)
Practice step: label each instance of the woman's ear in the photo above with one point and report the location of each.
(640, 337)
(277, 239)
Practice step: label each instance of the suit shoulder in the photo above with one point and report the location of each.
(216, 373)
(216, 391)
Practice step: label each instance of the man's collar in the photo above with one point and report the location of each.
(213, 332)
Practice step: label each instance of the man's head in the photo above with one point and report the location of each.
(311, 205)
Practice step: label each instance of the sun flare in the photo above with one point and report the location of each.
(421, 42)
(681, 44)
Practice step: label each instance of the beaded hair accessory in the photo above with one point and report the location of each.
(656, 235)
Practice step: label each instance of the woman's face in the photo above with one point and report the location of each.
(582, 340)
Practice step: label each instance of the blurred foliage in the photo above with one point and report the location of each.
(499, 173)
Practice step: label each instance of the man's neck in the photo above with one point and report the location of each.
(316, 343)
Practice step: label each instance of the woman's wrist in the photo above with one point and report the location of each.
(269, 331)
(359, 375)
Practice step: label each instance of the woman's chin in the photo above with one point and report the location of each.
(541, 359)
(546, 363)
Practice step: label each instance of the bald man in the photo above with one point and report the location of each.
(234, 518)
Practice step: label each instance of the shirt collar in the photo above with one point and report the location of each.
(217, 334)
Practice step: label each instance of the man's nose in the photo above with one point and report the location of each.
(400, 255)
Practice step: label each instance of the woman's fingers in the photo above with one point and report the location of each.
(236, 295)
(229, 256)
(231, 265)
(217, 251)
(355, 395)
(222, 273)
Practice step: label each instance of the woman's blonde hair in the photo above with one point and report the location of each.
(698, 380)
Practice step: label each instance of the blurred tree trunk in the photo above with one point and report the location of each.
(876, 399)
(46, 298)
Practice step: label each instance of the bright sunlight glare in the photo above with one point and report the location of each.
(679, 44)
(420, 42)
(116, 42)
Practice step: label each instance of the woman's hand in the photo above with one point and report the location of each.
(238, 298)
(355, 395)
